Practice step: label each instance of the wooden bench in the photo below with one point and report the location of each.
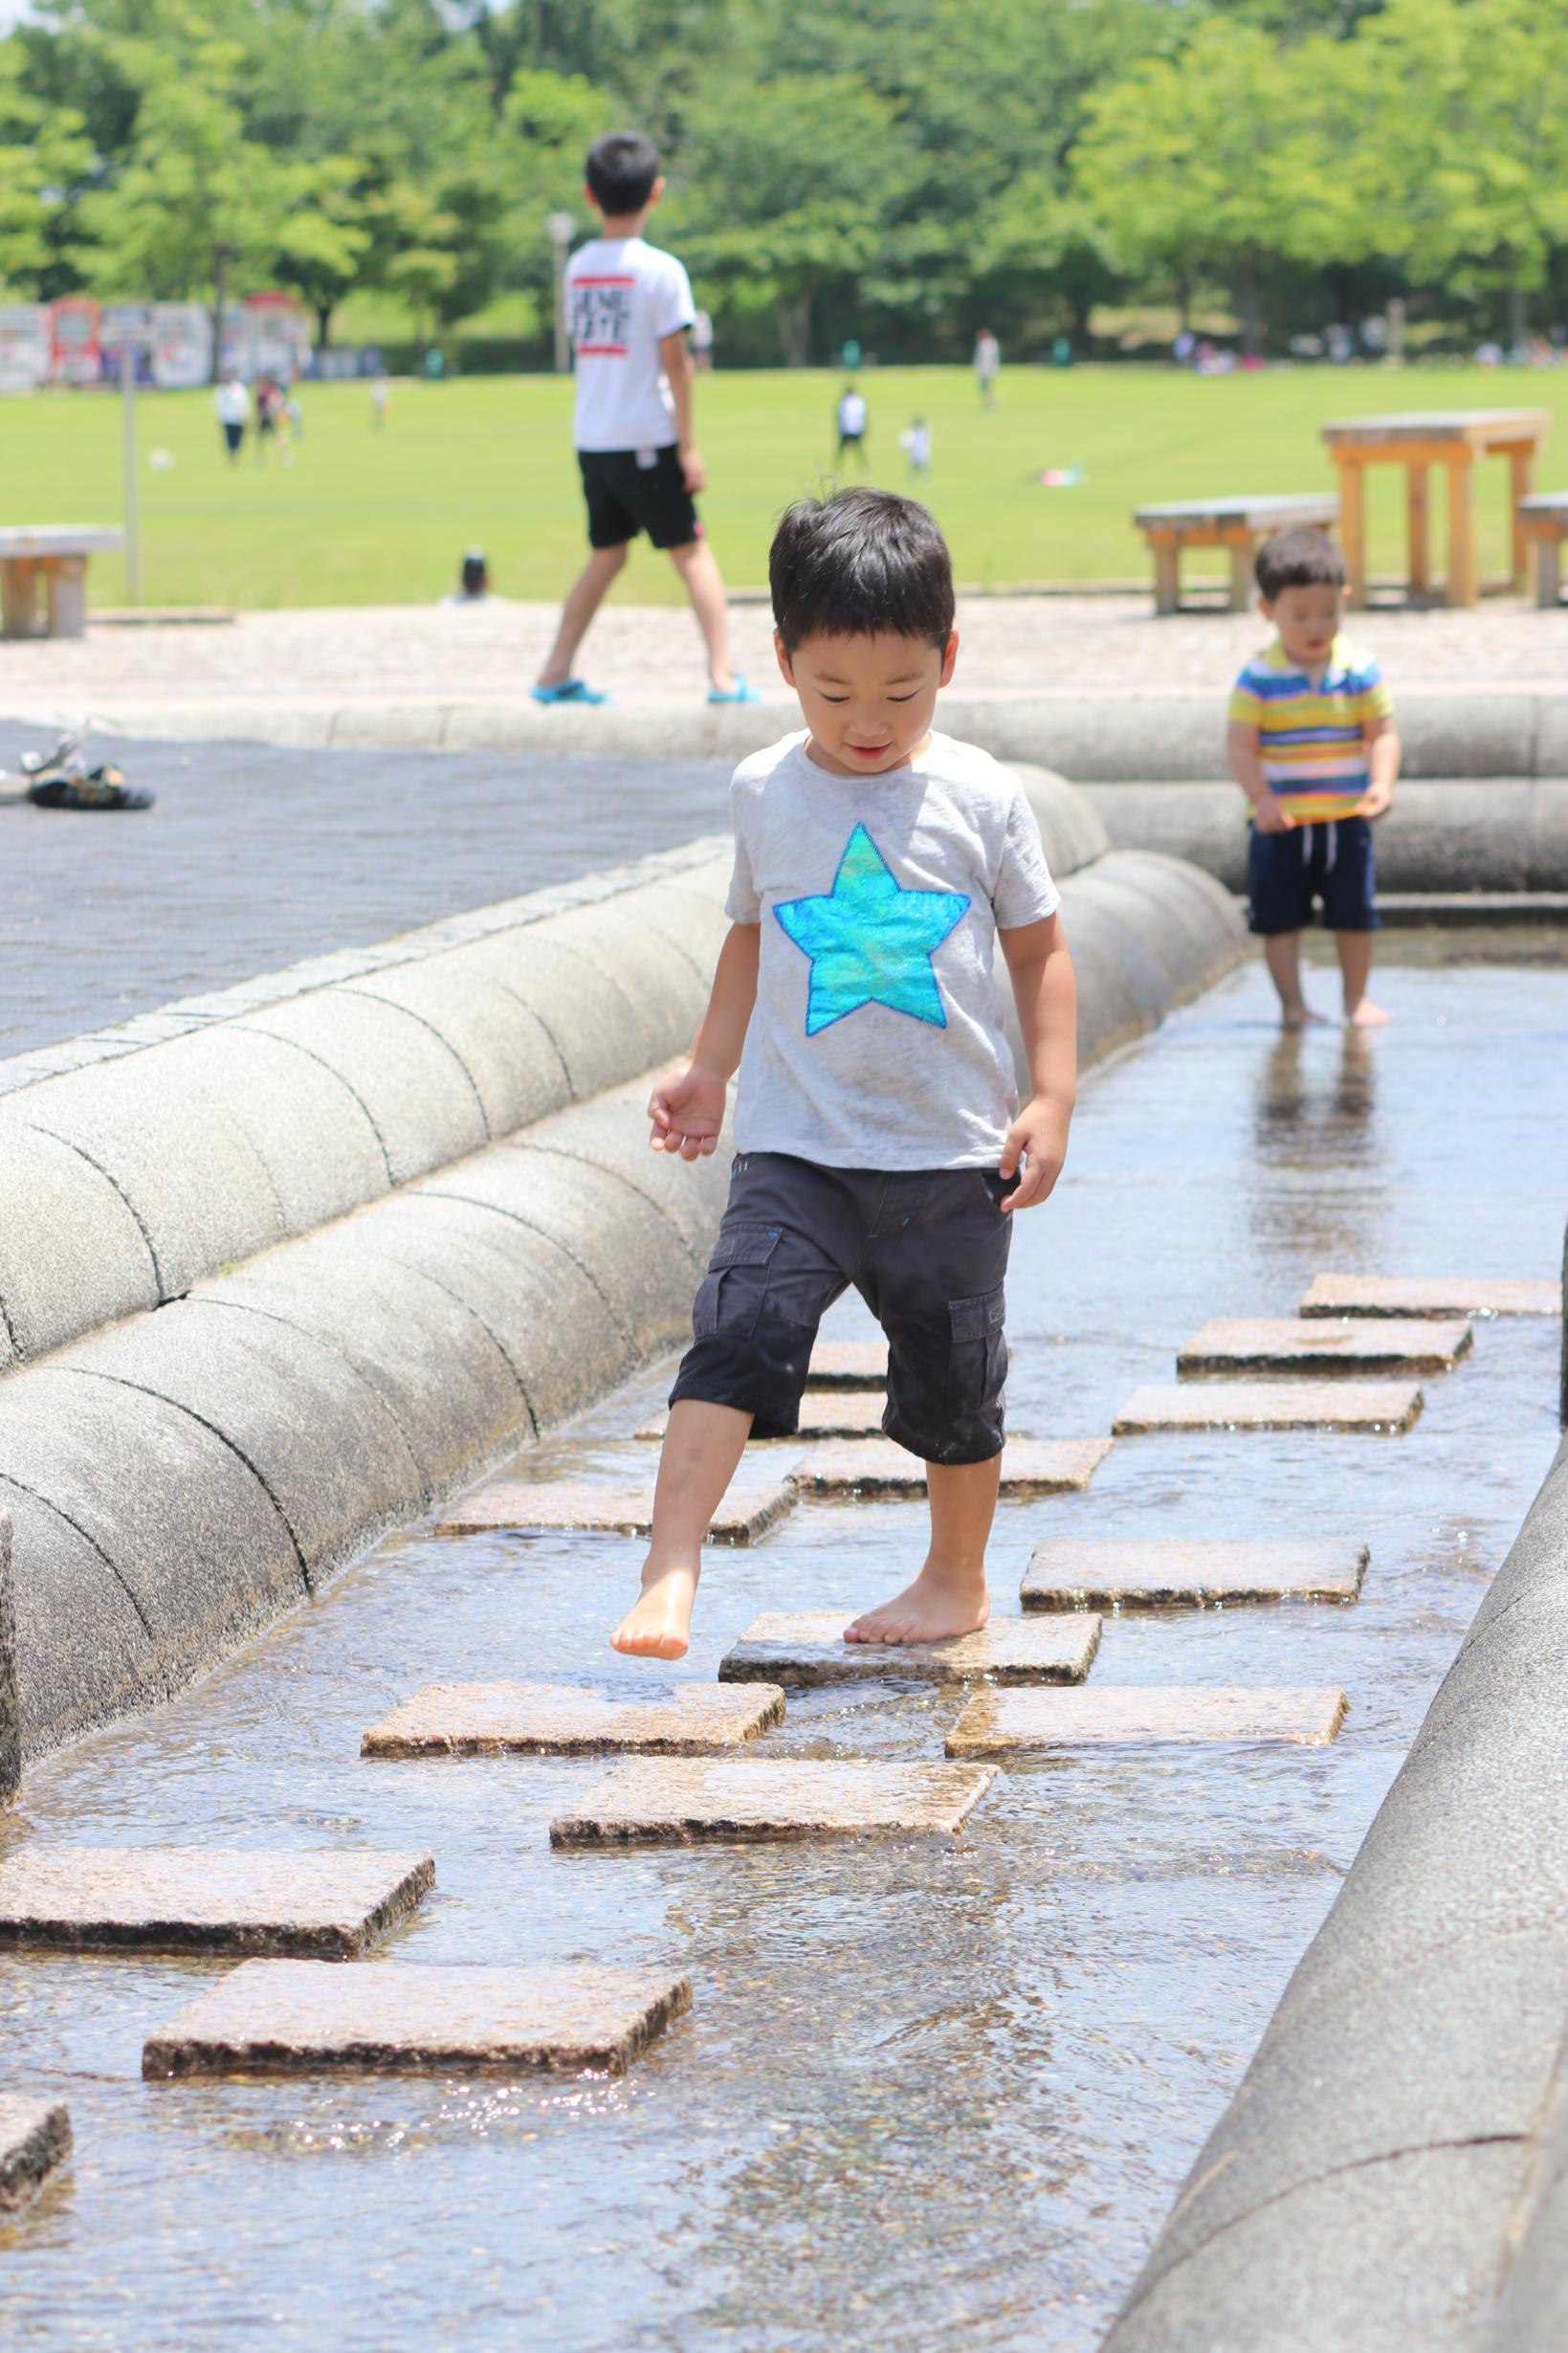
(55, 556)
(1237, 523)
(1456, 439)
(1543, 521)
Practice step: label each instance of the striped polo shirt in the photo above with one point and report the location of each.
(1312, 740)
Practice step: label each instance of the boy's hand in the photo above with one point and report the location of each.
(1038, 1138)
(1270, 818)
(1378, 799)
(687, 1108)
(694, 470)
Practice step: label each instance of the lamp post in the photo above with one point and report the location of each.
(563, 228)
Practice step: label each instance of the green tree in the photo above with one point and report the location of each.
(45, 158)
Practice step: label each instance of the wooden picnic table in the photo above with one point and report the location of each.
(1544, 517)
(1237, 523)
(1418, 439)
(53, 555)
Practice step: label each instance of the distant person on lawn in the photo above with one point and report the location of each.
(851, 417)
(630, 308)
(1311, 744)
(231, 407)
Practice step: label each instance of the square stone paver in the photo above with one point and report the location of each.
(757, 1797)
(490, 1719)
(831, 1413)
(810, 1649)
(876, 1466)
(520, 1507)
(34, 2138)
(1105, 1572)
(1430, 1295)
(1321, 1344)
(1271, 1405)
(307, 2018)
(213, 1900)
(849, 1364)
(1005, 1724)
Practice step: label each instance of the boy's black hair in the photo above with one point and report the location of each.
(1300, 558)
(621, 169)
(858, 563)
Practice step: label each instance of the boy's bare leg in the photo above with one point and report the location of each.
(584, 598)
(702, 1447)
(1355, 969)
(948, 1597)
(698, 568)
(1282, 954)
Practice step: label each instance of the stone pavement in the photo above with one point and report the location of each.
(413, 654)
(255, 857)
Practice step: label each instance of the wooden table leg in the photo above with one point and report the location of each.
(1463, 579)
(18, 596)
(1241, 574)
(1548, 570)
(1351, 527)
(1521, 461)
(1417, 506)
(65, 586)
(1167, 570)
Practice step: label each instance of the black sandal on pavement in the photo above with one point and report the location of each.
(102, 787)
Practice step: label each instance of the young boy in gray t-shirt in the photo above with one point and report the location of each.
(880, 1139)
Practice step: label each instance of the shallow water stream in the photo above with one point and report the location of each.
(929, 2093)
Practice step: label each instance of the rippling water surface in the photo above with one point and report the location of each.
(929, 2095)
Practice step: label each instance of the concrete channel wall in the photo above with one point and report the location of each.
(273, 1283)
(1392, 2174)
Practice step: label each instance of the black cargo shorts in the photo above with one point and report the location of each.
(927, 1251)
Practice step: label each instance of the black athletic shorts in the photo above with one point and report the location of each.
(1332, 862)
(628, 491)
(927, 1251)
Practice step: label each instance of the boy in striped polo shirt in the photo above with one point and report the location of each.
(1311, 744)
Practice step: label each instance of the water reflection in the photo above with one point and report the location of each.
(1316, 1178)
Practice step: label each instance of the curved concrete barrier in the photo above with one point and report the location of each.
(276, 1282)
(1102, 735)
(1497, 833)
(1403, 2126)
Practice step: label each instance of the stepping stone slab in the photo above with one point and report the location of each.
(876, 1466)
(849, 1364)
(1271, 1405)
(1390, 1295)
(207, 1900)
(1374, 1343)
(849, 1414)
(34, 2138)
(756, 1798)
(812, 1649)
(307, 2018)
(518, 1507)
(1098, 1572)
(1007, 1724)
(492, 1719)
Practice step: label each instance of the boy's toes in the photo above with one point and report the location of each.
(647, 1642)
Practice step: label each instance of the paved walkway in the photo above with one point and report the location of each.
(255, 857)
(413, 655)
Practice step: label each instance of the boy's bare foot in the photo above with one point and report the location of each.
(1297, 1016)
(661, 1624)
(1366, 1015)
(940, 1603)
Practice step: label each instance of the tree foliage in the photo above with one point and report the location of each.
(904, 170)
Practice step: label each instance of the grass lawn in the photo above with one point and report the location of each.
(365, 517)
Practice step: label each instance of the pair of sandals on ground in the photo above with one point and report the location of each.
(60, 779)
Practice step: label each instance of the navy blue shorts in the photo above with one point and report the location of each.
(927, 1251)
(1331, 863)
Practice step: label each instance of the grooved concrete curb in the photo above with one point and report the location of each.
(1099, 735)
(10, 1729)
(189, 1445)
(1489, 834)
(1403, 2126)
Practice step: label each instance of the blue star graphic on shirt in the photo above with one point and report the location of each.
(870, 941)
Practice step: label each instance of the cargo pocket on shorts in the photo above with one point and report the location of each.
(730, 1296)
(977, 1364)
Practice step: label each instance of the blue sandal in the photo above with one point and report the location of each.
(742, 691)
(570, 690)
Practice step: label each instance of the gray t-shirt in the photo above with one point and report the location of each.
(876, 1041)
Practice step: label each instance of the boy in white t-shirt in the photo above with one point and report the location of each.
(629, 307)
(880, 1142)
